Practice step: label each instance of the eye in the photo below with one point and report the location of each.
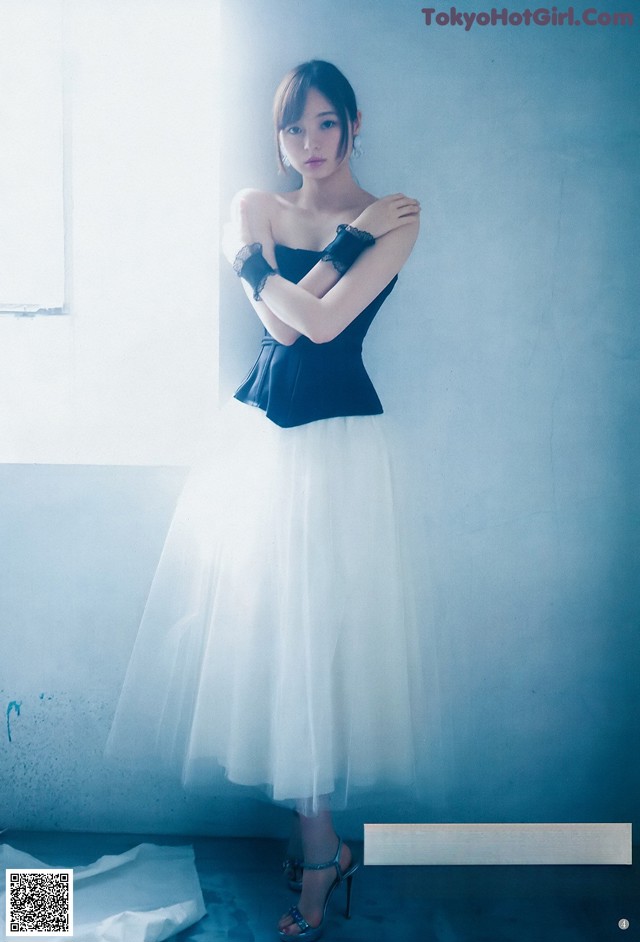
(328, 123)
(294, 129)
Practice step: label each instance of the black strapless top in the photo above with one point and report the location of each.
(308, 381)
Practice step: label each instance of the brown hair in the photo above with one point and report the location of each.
(291, 96)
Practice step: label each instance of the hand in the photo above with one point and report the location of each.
(387, 214)
(246, 217)
(239, 231)
(249, 223)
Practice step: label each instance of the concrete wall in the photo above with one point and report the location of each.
(507, 362)
(80, 546)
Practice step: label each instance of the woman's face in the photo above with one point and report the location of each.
(312, 144)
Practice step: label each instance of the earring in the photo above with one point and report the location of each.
(357, 147)
(285, 160)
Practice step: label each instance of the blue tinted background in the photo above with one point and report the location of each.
(507, 362)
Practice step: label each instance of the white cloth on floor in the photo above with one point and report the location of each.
(147, 894)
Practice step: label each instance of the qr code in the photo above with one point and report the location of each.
(39, 902)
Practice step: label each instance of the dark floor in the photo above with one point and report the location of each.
(244, 893)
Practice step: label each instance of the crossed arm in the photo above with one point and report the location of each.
(323, 303)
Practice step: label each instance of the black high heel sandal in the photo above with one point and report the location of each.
(311, 933)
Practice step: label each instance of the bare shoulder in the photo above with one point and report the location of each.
(253, 199)
(392, 220)
(411, 229)
(369, 198)
(398, 244)
(394, 246)
(261, 205)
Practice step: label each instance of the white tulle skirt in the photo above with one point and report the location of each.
(279, 639)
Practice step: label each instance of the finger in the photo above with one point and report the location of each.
(407, 220)
(392, 198)
(411, 209)
(403, 198)
(408, 201)
(406, 205)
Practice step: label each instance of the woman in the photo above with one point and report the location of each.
(289, 653)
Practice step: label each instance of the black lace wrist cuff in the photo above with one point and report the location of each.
(348, 244)
(251, 265)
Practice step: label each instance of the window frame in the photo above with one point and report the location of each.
(21, 309)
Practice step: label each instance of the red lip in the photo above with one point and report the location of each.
(314, 160)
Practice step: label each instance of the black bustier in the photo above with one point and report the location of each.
(308, 381)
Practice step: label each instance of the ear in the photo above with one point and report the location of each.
(357, 123)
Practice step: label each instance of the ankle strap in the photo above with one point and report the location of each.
(331, 863)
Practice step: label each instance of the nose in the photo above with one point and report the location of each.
(310, 141)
